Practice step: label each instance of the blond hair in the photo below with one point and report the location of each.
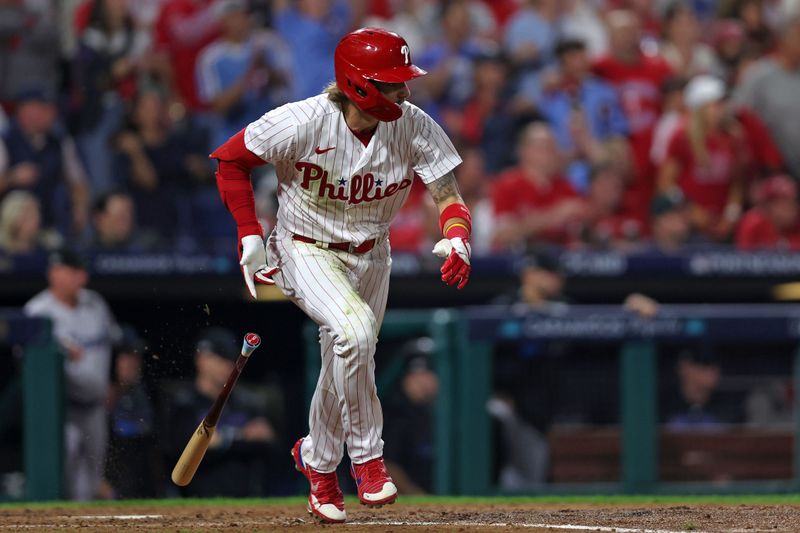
(335, 94)
(15, 204)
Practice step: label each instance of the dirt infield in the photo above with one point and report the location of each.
(407, 517)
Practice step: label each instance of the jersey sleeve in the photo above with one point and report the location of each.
(273, 137)
(434, 155)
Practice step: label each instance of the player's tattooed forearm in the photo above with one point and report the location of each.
(444, 188)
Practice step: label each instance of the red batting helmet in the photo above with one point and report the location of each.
(373, 54)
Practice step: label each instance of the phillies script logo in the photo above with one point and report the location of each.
(362, 188)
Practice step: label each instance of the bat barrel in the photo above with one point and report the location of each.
(196, 448)
(190, 459)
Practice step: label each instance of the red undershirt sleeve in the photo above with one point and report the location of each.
(236, 163)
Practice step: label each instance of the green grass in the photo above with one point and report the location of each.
(756, 499)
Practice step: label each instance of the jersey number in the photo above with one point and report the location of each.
(406, 54)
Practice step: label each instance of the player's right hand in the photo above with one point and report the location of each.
(254, 264)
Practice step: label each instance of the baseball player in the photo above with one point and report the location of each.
(85, 329)
(345, 160)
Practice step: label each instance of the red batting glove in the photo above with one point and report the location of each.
(456, 267)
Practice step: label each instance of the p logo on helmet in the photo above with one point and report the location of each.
(406, 54)
(373, 54)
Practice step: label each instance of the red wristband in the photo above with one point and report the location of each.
(455, 211)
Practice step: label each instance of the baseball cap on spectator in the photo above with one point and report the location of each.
(567, 46)
(540, 260)
(774, 187)
(489, 53)
(66, 257)
(417, 354)
(35, 94)
(702, 355)
(665, 203)
(219, 341)
(702, 90)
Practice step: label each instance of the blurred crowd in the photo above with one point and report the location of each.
(602, 124)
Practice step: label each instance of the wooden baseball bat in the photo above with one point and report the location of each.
(196, 448)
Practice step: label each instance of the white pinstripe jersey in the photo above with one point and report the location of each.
(331, 187)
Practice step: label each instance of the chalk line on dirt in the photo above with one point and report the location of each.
(571, 527)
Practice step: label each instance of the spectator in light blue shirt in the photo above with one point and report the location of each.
(312, 29)
(532, 33)
(584, 111)
(243, 74)
(530, 40)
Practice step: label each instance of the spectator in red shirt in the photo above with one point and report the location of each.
(183, 29)
(638, 78)
(774, 223)
(534, 202)
(704, 161)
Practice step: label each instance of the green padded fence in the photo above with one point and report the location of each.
(639, 416)
(638, 380)
(43, 402)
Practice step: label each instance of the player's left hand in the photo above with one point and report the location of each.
(456, 267)
(254, 264)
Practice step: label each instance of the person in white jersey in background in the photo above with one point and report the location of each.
(85, 329)
(345, 160)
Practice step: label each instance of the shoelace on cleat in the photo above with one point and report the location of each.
(373, 473)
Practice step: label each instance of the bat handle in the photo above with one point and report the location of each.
(250, 343)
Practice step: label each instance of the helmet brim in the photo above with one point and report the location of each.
(397, 74)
